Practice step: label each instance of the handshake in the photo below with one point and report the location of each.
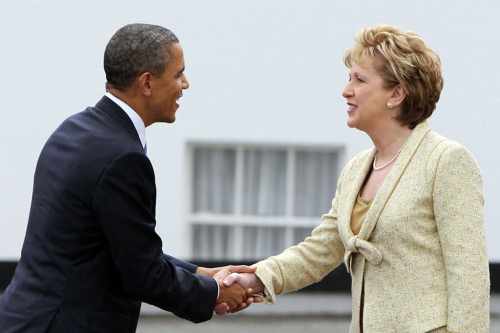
(239, 287)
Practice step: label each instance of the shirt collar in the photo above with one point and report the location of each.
(134, 117)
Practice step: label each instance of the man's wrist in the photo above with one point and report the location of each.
(204, 271)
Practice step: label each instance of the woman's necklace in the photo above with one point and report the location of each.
(376, 168)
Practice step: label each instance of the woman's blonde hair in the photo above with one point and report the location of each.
(402, 58)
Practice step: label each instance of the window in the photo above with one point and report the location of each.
(253, 201)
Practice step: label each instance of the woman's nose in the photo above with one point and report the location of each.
(347, 92)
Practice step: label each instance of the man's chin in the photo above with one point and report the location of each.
(170, 120)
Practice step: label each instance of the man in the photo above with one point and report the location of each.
(91, 253)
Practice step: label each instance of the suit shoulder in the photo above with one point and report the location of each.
(97, 133)
(441, 145)
(449, 154)
(88, 142)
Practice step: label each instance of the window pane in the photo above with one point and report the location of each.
(262, 191)
(213, 180)
(315, 182)
(262, 242)
(264, 182)
(212, 241)
(300, 233)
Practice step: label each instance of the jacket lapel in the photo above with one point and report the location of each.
(357, 182)
(391, 180)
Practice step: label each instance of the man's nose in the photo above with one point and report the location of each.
(185, 83)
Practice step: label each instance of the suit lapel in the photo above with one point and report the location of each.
(391, 180)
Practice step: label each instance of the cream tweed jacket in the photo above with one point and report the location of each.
(421, 250)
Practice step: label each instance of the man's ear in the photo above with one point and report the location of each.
(144, 83)
(397, 97)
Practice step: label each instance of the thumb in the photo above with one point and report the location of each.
(221, 275)
(232, 278)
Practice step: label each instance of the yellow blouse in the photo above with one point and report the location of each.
(358, 214)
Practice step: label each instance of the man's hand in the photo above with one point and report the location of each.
(231, 298)
(250, 282)
(222, 308)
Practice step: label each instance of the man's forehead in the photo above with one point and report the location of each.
(175, 58)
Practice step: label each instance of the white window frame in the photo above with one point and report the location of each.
(239, 220)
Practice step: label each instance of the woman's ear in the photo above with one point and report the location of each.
(397, 97)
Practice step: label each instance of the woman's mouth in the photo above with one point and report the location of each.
(351, 107)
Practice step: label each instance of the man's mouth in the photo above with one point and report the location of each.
(177, 100)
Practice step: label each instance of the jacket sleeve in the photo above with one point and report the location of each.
(124, 203)
(181, 263)
(305, 263)
(458, 209)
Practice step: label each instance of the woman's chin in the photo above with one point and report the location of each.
(351, 123)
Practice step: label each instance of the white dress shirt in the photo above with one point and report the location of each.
(134, 117)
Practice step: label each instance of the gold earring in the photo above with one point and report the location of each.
(389, 105)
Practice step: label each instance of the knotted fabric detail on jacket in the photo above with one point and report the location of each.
(365, 248)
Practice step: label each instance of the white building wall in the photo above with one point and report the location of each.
(261, 71)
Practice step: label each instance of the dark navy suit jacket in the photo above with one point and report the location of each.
(91, 253)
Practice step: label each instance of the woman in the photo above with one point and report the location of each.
(407, 217)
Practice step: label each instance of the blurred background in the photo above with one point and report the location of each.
(253, 158)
